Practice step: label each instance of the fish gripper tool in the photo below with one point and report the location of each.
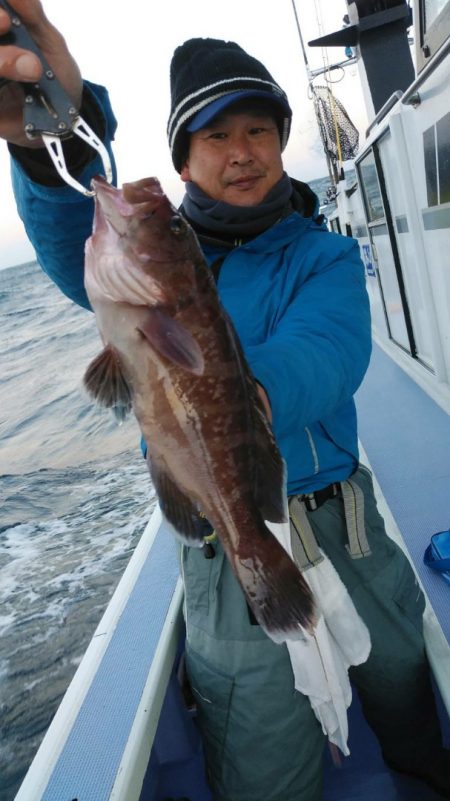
(48, 110)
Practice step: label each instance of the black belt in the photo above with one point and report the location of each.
(313, 500)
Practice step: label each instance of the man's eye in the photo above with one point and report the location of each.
(217, 135)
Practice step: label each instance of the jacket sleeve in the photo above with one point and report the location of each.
(319, 351)
(58, 219)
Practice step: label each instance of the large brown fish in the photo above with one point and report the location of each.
(171, 354)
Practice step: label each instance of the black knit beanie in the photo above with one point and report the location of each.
(203, 70)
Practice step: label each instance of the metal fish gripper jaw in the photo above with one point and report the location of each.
(48, 110)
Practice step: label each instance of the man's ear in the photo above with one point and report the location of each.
(184, 174)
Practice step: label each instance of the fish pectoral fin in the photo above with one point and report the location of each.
(105, 381)
(176, 507)
(172, 340)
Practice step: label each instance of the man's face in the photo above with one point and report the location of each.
(237, 158)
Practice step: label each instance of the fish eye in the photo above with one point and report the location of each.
(177, 225)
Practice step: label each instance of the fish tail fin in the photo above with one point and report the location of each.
(276, 590)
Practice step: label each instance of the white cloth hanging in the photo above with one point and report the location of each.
(320, 662)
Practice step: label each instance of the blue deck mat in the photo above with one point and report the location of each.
(363, 776)
(407, 439)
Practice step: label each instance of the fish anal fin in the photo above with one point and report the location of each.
(176, 507)
(105, 381)
(172, 340)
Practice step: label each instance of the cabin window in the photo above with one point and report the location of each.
(436, 147)
(432, 28)
(443, 149)
(335, 225)
(387, 268)
(429, 150)
(432, 10)
(371, 188)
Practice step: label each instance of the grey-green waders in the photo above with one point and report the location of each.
(261, 738)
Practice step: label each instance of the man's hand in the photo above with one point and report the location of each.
(17, 64)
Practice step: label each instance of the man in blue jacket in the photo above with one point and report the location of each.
(296, 295)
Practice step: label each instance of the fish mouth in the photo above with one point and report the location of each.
(101, 187)
(109, 196)
(99, 182)
(148, 191)
(140, 199)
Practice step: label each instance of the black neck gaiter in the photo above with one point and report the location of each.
(218, 217)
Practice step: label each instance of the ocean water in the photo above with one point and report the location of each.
(75, 496)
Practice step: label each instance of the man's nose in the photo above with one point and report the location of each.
(240, 151)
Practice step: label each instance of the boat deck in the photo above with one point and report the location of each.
(406, 436)
(99, 744)
(362, 776)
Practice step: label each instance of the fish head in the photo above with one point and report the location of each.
(141, 248)
(140, 268)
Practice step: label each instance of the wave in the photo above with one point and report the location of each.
(75, 495)
(65, 540)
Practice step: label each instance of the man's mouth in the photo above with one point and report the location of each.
(245, 181)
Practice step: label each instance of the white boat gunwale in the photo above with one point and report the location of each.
(131, 765)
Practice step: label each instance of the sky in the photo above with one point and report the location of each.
(128, 47)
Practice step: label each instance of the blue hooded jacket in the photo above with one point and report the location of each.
(296, 294)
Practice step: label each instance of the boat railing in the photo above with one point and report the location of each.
(102, 734)
(390, 103)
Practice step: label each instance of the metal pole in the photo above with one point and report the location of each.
(331, 171)
(305, 57)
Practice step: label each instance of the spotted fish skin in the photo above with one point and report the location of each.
(172, 355)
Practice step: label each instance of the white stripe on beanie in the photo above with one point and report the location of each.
(259, 82)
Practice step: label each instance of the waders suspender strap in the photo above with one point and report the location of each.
(353, 498)
(304, 546)
(305, 549)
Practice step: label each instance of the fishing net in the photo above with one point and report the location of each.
(339, 136)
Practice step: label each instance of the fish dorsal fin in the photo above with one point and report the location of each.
(105, 381)
(176, 507)
(269, 472)
(172, 340)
